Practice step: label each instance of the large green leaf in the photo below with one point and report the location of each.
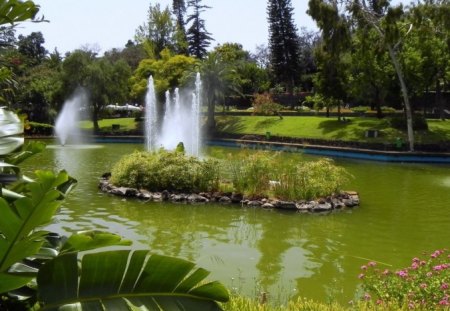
(93, 239)
(11, 129)
(20, 220)
(27, 151)
(13, 11)
(126, 280)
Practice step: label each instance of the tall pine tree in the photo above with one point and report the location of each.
(199, 39)
(179, 10)
(283, 43)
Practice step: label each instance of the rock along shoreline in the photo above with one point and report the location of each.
(341, 201)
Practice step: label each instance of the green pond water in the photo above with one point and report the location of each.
(405, 211)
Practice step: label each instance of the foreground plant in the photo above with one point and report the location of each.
(423, 285)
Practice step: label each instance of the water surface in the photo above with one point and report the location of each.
(405, 211)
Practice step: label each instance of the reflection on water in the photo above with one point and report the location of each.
(404, 211)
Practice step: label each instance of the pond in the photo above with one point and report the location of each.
(405, 211)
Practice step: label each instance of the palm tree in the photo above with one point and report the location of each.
(219, 78)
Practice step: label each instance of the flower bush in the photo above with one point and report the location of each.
(263, 104)
(423, 285)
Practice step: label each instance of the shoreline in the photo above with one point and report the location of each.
(337, 202)
(258, 142)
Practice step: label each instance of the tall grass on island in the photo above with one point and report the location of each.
(253, 174)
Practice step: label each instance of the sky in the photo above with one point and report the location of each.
(108, 24)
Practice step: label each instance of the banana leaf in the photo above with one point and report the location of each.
(13, 11)
(126, 280)
(11, 130)
(20, 220)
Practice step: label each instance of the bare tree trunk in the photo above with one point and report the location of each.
(408, 110)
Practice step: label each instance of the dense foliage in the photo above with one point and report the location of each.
(164, 170)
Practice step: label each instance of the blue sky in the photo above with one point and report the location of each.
(110, 23)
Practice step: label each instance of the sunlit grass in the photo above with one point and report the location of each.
(126, 124)
(353, 129)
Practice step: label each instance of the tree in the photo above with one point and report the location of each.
(105, 81)
(132, 54)
(248, 77)
(32, 48)
(430, 43)
(283, 43)
(181, 43)
(199, 39)
(168, 72)
(371, 74)
(388, 26)
(158, 31)
(330, 80)
(217, 78)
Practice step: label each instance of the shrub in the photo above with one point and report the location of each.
(250, 173)
(419, 123)
(164, 170)
(35, 128)
(387, 109)
(360, 109)
(263, 104)
(425, 284)
(309, 180)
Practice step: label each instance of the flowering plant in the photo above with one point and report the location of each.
(424, 284)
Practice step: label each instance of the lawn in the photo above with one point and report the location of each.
(304, 127)
(353, 129)
(125, 124)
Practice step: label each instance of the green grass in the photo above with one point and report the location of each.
(304, 127)
(328, 128)
(126, 124)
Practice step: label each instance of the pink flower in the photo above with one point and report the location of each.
(364, 267)
(379, 302)
(414, 266)
(423, 285)
(444, 286)
(444, 302)
(402, 273)
(423, 263)
(372, 264)
(361, 276)
(367, 296)
(415, 259)
(438, 268)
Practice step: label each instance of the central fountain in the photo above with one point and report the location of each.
(180, 120)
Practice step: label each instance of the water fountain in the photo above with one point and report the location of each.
(66, 127)
(180, 121)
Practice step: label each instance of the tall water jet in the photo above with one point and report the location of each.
(150, 116)
(180, 121)
(67, 129)
(195, 112)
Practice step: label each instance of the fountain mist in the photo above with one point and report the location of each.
(180, 122)
(66, 127)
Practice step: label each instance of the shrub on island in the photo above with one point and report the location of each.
(165, 170)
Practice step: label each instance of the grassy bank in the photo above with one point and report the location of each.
(353, 129)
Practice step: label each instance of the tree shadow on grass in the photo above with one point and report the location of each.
(338, 128)
(267, 123)
(230, 125)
